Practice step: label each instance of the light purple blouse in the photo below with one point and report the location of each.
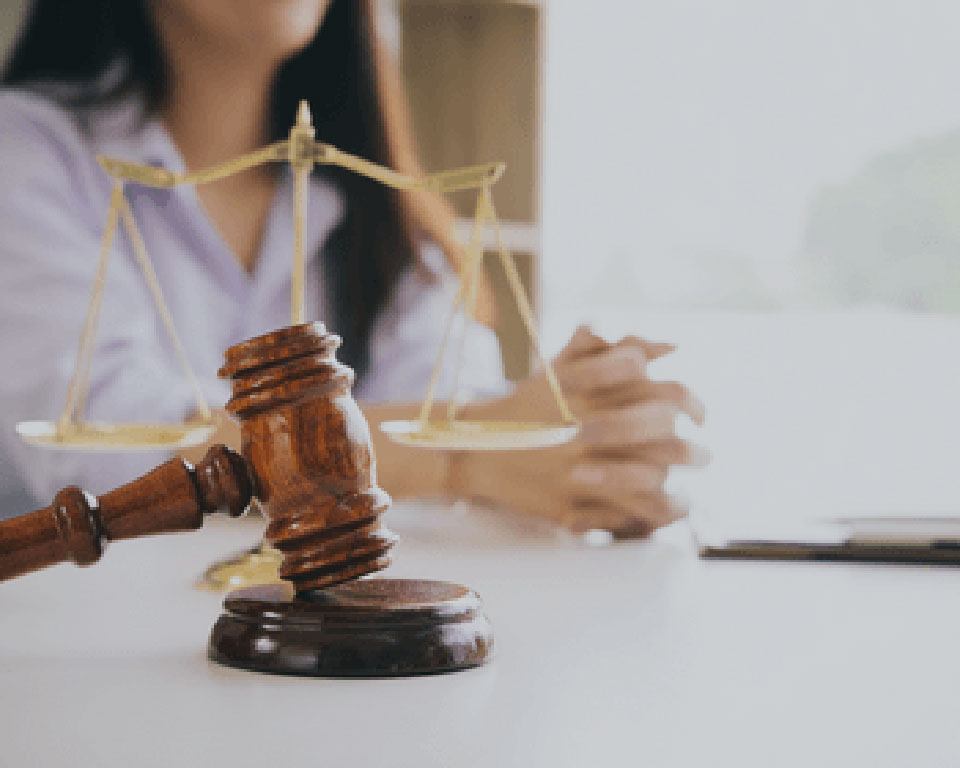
(53, 204)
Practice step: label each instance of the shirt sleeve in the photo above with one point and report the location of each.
(52, 210)
(406, 339)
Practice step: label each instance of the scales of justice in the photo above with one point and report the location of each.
(306, 461)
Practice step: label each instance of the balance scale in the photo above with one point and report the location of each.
(71, 431)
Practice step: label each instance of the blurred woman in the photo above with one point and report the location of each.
(185, 84)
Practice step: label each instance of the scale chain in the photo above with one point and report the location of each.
(526, 314)
(470, 278)
(156, 292)
(76, 389)
(428, 399)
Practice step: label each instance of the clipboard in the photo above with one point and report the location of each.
(916, 540)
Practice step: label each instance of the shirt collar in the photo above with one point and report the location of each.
(125, 129)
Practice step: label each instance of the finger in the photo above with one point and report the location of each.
(587, 515)
(629, 426)
(637, 529)
(652, 349)
(645, 390)
(609, 369)
(630, 486)
(680, 395)
(666, 452)
(649, 511)
(675, 452)
(618, 480)
(584, 342)
(654, 507)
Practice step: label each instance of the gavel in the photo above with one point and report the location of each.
(306, 462)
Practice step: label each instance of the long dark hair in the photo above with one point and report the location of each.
(356, 106)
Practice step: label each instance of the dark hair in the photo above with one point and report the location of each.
(340, 72)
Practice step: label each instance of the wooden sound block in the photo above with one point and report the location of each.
(364, 628)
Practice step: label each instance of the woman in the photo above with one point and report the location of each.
(186, 84)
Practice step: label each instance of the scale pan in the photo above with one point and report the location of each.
(478, 435)
(251, 568)
(97, 436)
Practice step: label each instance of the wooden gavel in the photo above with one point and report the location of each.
(306, 462)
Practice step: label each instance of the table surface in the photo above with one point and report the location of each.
(628, 654)
(632, 654)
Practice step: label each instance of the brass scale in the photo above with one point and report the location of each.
(72, 431)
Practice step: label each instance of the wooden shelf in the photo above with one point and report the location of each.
(472, 72)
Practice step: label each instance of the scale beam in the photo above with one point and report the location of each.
(152, 176)
(468, 177)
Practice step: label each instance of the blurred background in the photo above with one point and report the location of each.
(774, 185)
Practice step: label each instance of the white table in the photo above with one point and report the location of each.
(634, 654)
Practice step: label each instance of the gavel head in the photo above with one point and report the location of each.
(308, 449)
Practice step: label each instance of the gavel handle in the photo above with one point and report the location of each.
(173, 497)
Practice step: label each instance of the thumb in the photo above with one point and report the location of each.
(651, 349)
(583, 343)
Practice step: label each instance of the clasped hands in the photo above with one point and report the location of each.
(612, 475)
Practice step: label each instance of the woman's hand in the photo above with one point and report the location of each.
(611, 476)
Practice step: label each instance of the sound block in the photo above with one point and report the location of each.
(362, 628)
